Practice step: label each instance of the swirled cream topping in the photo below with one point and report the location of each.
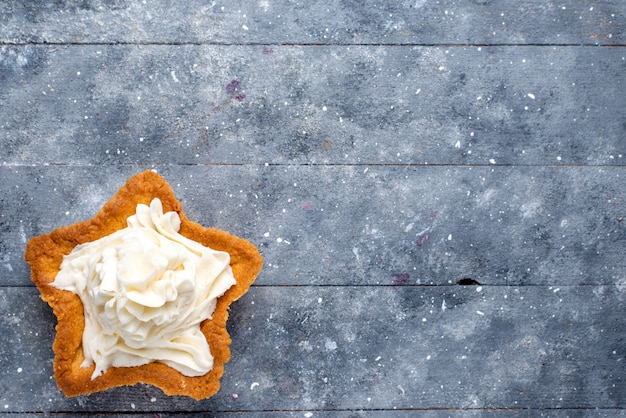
(145, 290)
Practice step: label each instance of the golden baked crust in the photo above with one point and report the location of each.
(45, 253)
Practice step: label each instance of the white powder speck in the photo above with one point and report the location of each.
(308, 415)
(532, 96)
(324, 108)
(458, 144)
(253, 385)
(450, 237)
(480, 313)
(132, 405)
(153, 399)
(319, 300)
(22, 233)
(377, 358)
(443, 305)
(19, 370)
(244, 27)
(330, 345)
(479, 289)
(173, 74)
(279, 239)
(428, 357)
(492, 161)
(267, 234)
(67, 213)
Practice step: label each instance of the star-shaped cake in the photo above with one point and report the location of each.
(141, 294)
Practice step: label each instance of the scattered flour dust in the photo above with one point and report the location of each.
(330, 345)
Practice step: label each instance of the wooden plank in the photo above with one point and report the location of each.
(321, 22)
(376, 225)
(369, 348)
(112, 104)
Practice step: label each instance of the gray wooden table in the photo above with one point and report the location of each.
(437, 188)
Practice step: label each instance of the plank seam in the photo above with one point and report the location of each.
(394, 286)
(313, 44)
(169, 165)
(239, 411)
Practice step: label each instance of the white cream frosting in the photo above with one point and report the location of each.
(145, 290)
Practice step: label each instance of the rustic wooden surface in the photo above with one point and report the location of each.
(384, 157)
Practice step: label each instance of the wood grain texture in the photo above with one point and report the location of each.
(103, 104)
(329, 348)
(378, 153)
(364, 225)
(319, 22)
